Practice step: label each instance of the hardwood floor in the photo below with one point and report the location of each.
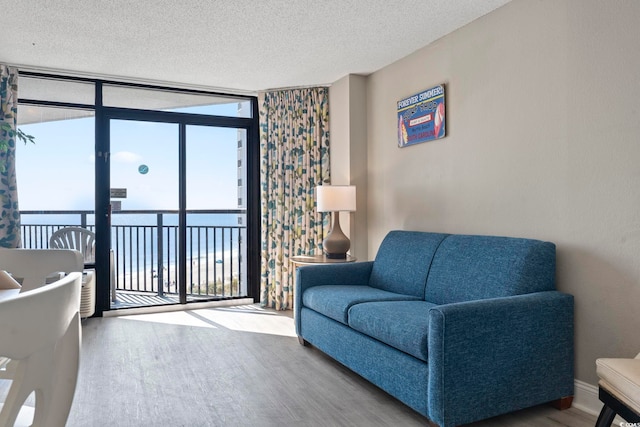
(235, 366)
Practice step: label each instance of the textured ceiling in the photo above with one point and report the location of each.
(238, 46)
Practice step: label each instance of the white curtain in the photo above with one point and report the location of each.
(10, 215)
(294, 148)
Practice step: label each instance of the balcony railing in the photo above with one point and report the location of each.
(145, 248)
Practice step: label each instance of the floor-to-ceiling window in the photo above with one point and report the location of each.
(166, 179)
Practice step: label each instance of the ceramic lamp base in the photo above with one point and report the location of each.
(336, 244)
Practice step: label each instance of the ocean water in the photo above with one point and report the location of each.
(134, 237)
(195, 219)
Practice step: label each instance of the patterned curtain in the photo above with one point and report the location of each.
(10, 220)
(294, 147)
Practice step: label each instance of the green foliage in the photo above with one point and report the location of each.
(8, 137)
(219, 288)
(25, 137)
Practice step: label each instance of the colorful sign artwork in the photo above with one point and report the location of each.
(421, 117)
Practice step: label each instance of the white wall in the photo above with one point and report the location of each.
(348, 136)
(543, 141)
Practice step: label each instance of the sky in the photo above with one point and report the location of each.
(57, 172)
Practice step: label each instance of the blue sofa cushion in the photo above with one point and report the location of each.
(403, 260)
(400, 324)
(467, 268)
(334, 301)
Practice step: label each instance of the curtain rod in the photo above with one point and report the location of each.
(276, 89)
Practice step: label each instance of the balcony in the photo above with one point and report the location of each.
(145, 252)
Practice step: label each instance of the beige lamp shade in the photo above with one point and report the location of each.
(336, 198)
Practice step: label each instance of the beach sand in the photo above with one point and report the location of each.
(213, 268)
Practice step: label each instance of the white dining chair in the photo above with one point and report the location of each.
(40, 333)
(34, 267)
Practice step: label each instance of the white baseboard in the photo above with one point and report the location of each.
(585, 399)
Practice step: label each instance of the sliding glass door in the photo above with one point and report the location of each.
(177, 197)
(144, 202)
(167, 178)
(215, 184)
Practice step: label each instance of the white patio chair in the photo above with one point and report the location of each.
(40, 333)
(78, 238)
(83, 240)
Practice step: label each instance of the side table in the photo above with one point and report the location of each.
(320, 259)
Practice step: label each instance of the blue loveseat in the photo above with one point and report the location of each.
(458, 327)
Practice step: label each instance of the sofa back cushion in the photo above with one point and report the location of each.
(403, 262)
(468, 268)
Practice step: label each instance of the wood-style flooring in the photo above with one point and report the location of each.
(236, 366)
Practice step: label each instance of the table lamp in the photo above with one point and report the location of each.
(336, 198)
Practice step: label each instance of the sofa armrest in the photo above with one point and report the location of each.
(349, 273)
(498, 355)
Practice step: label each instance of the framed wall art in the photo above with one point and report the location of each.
(421, 117)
